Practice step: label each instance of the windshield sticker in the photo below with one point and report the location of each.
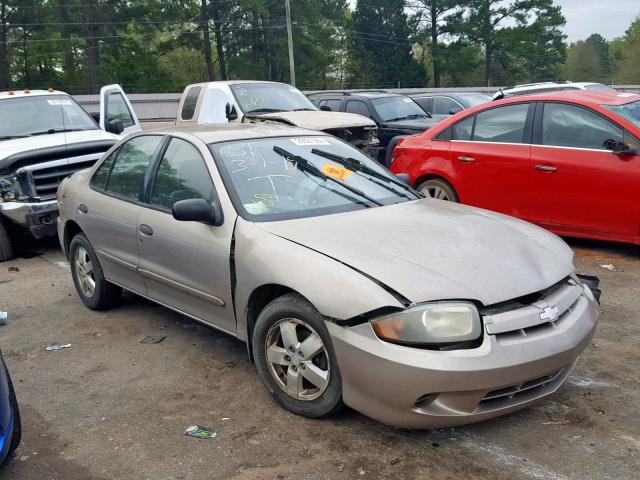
(57, 103)
(335, 171)
(302, 141)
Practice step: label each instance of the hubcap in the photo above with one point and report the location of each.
(435, 191)
(297, 358)
(84, 272)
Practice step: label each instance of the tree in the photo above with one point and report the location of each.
(433, 14)
(516, 36)
(628, 50)
(379, 45)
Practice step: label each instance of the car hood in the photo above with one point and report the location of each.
(417, 124)
(320, 120)
(433, 250)
(19, 145)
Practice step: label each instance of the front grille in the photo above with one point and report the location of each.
(525, 391)
(42, 180)
(533, 314)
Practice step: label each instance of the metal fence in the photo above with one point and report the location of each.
(162, 107)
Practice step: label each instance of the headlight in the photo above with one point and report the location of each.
(433, 324)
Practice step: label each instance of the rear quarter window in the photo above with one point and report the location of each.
(190, 102)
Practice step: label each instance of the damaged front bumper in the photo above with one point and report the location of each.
(417, 388)
(37, 217)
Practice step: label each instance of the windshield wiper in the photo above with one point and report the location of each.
(305, 164)
(11, 137)
(357, 166)
(264, 110)
(57, 130)
(413, 115)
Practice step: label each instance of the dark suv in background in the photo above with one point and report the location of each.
(443, 104)
(395, 115)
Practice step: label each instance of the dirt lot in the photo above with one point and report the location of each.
(110, 407)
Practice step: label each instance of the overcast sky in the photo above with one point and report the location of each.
(585, 17)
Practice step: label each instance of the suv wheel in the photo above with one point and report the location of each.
(439, 189)
(6, 249)
(295, 358)
(94, 290)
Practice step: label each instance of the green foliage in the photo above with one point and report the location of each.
(588, 60)
(628, 53)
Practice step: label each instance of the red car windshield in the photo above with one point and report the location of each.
(628, 111)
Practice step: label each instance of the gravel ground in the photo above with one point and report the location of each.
(111, 407)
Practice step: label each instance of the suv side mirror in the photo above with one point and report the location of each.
(198, 210)
(325, 108)
(230, 112)
(404, 178)
(454, 110)
(115, 126)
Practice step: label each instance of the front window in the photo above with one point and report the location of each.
(266, 186)
(396, 108)
(40, 115)
(257, 98)
(473, 100)
(628, 111)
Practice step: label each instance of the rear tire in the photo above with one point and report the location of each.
(295, 359)
(92, 287)
(438, 189)
(6, 248)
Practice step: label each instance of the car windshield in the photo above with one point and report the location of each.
(628, 111)
(473, 100)
(256, 98)
(293, 177)
(397, 108)
(41, 115)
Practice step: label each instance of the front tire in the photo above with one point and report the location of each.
(439, 189)
(94, 290)
(6, 248)
(16, 435)
(295, 359)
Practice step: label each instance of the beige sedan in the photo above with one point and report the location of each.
(347, 285)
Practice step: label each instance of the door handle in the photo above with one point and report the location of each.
(546, 168)
(462, 158)
(82, 208)
(146, 229)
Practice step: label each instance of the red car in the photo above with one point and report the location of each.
(568, 161)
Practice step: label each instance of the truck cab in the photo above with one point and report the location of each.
(213, 103)
(46, 136)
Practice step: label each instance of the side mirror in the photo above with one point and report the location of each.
(230, 112)
(455, 110)
(325, 108)
(198, 210)
(115, 126)
(619, 148)
(404, 178)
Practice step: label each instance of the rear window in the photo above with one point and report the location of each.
(190, 102)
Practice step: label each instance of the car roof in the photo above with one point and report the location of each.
(578, 96)
(235, 131)
(543, 85)
(448, 94)
(29, 93)
(344, 93)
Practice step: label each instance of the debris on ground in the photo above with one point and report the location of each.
(3, 318)
(13, 269)
(559, 421)
(200, 432)
(361, 471)
(608, 266)
(153, 339)
(57, 346)
(395, 461)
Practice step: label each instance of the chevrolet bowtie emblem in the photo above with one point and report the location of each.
(550, 314)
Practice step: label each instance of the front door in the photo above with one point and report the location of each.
(186, 265)
(577, 183)
(490, 157)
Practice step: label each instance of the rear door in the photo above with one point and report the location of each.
(490, 157)
(108, 213)
(577, 183)
(116, 113)
(186, 265)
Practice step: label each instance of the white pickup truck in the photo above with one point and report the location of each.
(259, 101)
(46, 136)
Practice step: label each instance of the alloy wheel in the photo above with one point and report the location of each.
(84, 272)
(435, 191)
(297, 359)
